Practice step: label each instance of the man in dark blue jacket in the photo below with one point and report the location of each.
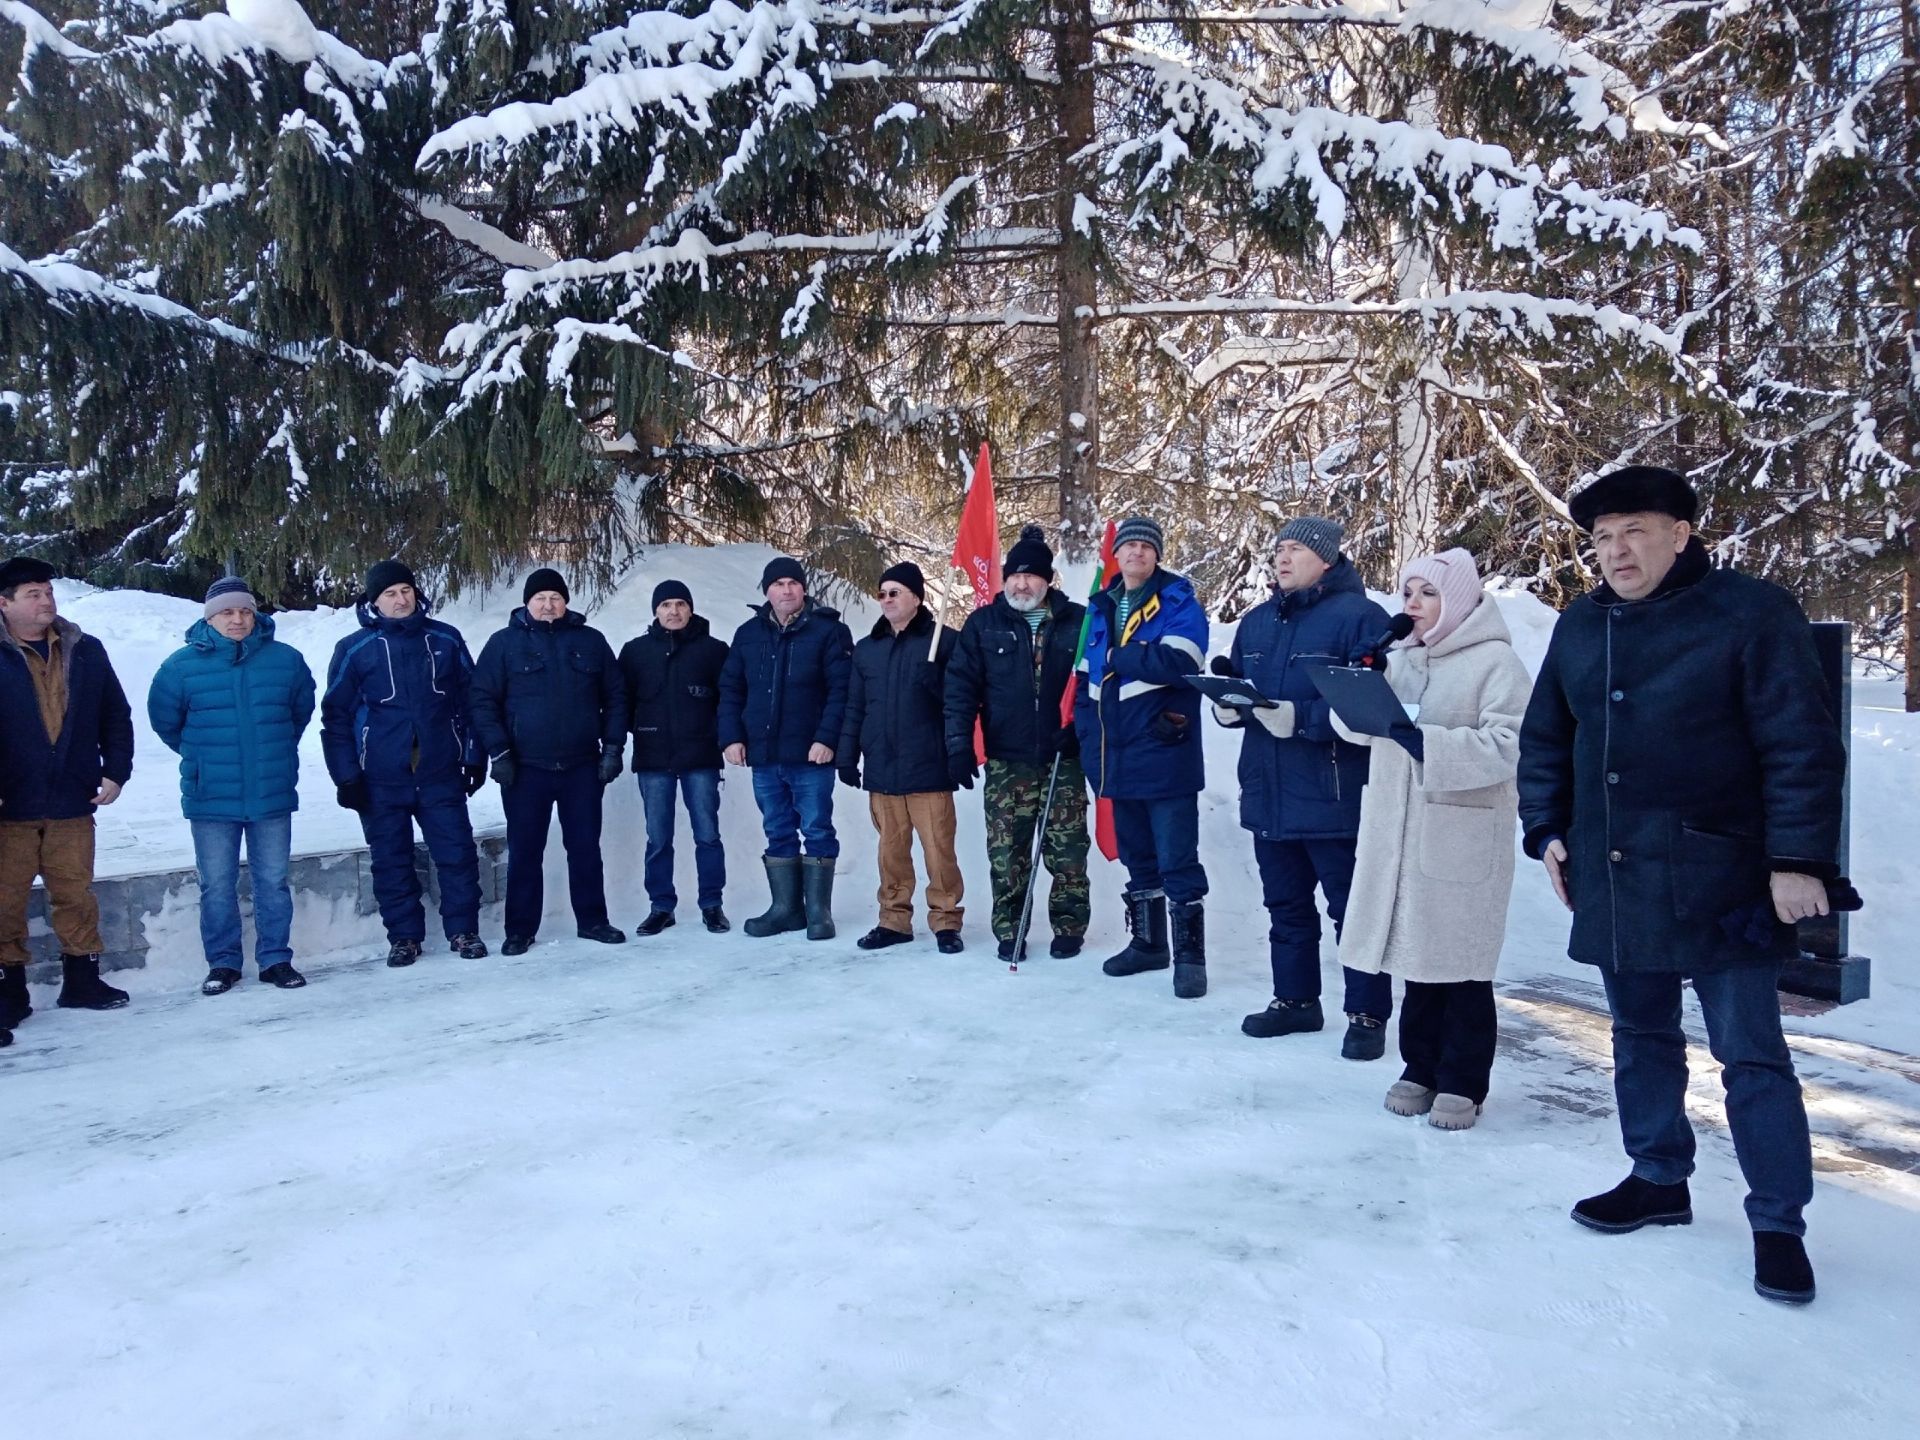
(550, 710)
(1300, 783)
(1683, 782)
(672, 675)
(783, 701)
(894, 730)
(1140, 744)
(67, 749)
(394, 727)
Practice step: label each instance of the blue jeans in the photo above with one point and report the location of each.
(216, 853)
(1741, 1006)
(1289, 869)
(700, 789)
(796, 802)
(529, 804)
(1159, 843)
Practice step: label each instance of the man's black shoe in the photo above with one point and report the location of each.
(1781, 1270)
(880, 937)
(1284, 1017)
(469, 947)
(715, 919)
(283, 976)
(403, 952)
(1635, 1202)
(1065, 947)
(656, 922)
(517, 945)
(219, 980)
(949, 942)
(607, 934)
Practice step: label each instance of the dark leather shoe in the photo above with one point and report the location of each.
(879, 938)
(1781, 1270)
(949, 942)
(283, 976)
(715, 919)
(656, 922)
(1635, 1202)
(402, 952)
(1284, 1017)
(220, 980)
(469, 947)
(517, 945)
(606, 934)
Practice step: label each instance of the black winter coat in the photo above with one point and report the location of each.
(893, 730)
(550, 692)
(783, 689)
(1683, 748)
(673, 696)
(42, 779)
(1306, 787)
(992, 679)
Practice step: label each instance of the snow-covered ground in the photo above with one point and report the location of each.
(707, 1185)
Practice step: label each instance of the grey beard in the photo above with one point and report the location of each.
(1026, 606)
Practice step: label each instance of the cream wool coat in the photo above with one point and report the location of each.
(1435, 863)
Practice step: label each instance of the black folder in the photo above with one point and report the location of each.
(1230, 690)
(1361, 698)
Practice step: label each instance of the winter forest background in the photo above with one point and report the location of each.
(476, 280)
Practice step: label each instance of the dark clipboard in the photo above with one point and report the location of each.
(1231, 691)
(1361, 698)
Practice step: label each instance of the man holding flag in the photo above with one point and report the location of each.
(1008, 681)
(1140, 739)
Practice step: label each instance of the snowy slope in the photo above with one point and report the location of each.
(714, 1186)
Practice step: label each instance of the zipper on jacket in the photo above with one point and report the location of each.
(1606, 765)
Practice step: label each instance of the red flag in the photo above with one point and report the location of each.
(1104, 834)
(976, 549)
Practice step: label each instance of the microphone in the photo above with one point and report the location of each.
(1223, 666)
(1375, 655)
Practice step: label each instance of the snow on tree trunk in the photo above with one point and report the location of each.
(1079, 341)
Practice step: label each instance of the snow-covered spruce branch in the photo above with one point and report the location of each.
(39, 33)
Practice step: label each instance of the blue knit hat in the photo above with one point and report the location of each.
(1139, 527)
(229, 592)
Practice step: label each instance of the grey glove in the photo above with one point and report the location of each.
(1231, 716)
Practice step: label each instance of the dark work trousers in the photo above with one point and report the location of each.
(1159, 842)
(440, 809)
(530, 802)
(1447, 1036)
(1289, 870)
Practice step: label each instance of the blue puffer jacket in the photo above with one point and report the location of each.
(550, 692)
(397, 702)
(234, 711)
(1137, 718)
(1306, 787)
(42, 779)
(783, 689)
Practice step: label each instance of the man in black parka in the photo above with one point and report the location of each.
(1681, 778)
(893, 728)
(550, 707)
(673, 694)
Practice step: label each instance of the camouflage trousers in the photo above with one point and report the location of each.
(1014, 795)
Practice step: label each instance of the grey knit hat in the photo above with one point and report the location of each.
(1139, 527)
(1316, 532)
(229, 592)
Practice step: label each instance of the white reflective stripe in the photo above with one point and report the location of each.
(1138, 687)
(1185, 647)
(1093, 689)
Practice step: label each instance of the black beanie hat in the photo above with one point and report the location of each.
(908, 574)
(671, 590)
(544, 578)
(782, 567)
(384, 575)
(1632, 490)
(25, 570)
(1029, 555)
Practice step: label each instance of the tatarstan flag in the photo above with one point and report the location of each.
(1103, 831)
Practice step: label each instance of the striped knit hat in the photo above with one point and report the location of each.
(229, 592)
(1457, 578)
(1139, 527)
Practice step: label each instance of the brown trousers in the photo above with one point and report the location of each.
(60, 852)
(899, 818)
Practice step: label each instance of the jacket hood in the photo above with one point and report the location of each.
(523, 619)
(921, 625)
(1341, 579)
(202, 636)
(1484, 624)
(695, 629)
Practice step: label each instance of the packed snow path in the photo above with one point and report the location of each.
(706, 1185)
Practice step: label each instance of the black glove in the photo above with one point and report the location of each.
(1169, 727)
(850, 775)
(609, 766)
(1410, 738)
(506, 769)
(961, 768)
(476, 777)
(354, 795)
(1065, 743)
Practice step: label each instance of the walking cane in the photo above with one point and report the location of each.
(1033, 868)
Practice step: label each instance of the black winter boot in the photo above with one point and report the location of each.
(1147, 923)
(1366, 1038)
(6, 1038)
(82, 988)
(785, 913)
(1284, 1017)
(402, 953)
(818, 873)
(880, 937)
(219, 980)
(1189, 950)
(1635, 1202)
(1781, 1270)
(15, 1003)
